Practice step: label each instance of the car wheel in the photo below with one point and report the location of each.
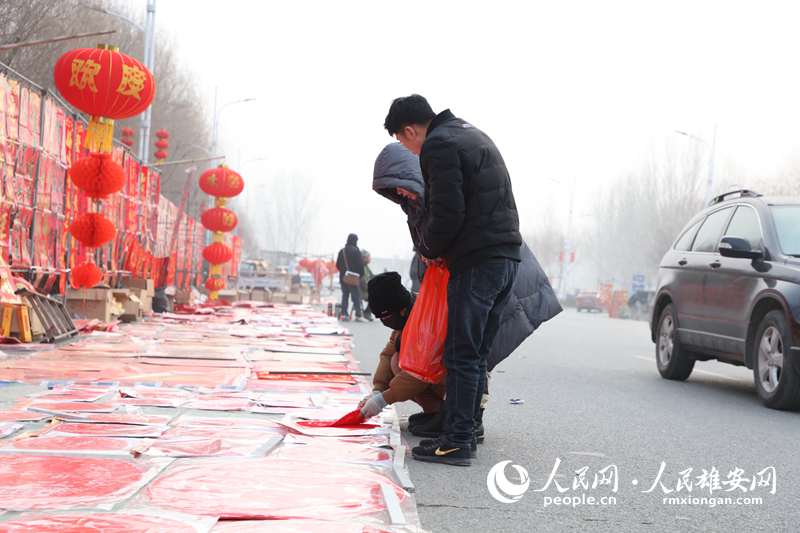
(777, 384)
(672, 359)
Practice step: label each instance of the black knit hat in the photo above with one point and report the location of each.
(387, 294)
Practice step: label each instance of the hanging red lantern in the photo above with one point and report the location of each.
(127, 141)
(127, 132)
(92, 230)
(161, 154)
(215, 284)
(217, 253)
(222, 182)
(162, 134)
(86, 276)
(219, 219)
(98, 175)
(162, 144)
(106, 84)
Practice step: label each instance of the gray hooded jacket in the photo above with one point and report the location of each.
(532, 300)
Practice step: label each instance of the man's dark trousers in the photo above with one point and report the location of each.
(351, 292)
(476, 298)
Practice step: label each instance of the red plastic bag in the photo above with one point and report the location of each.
(422, 343)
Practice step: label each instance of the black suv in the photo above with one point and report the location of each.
(729, 289)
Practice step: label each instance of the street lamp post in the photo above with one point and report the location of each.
(217, 113)
(711, 157)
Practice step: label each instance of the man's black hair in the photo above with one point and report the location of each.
(407, 110)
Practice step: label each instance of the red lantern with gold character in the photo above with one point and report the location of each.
(161, 154)
(162, 144)
(162, 134)
(106, 84)
(215, 284)
(221, 182)
(86, 276)
(219, 219)
(92, 230)
(98, 175)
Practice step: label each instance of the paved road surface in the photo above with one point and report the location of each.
(593, 398)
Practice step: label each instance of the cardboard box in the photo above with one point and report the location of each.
(103, 304)
(138, 283)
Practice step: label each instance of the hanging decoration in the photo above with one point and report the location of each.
(219, 219)
(107, 85)
(161, 145)
(93, 230)
(86, 276)
(221, 183)
(127, 136)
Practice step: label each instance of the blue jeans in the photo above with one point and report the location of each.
(476, 298)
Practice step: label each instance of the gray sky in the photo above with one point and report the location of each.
(566, 89)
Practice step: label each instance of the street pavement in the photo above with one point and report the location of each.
(593, 398)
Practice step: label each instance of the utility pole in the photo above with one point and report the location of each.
(149, 62)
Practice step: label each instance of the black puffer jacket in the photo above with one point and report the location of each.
(470, 210)
(350, 258)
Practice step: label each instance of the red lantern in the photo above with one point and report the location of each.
(127, 141)
(162, 144)
(221, 181)
(219, 219)
(161, 154)
(92, 230)
(215, 284)
(98, 175)
(127, 132)
(217, 253)
(162, 134)
(105, 84)
(86, 276)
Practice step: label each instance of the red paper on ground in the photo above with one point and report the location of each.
(31, 482)
(101, 523)
(270, 488)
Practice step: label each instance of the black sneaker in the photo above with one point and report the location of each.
(430, 429)
(435, 451)
(473, 449)
(480, 434)
(420, 418)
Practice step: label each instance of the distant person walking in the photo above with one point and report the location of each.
(351, 269)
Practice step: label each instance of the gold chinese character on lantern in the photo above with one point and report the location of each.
(132, 82)
(227, 219)
(83, 73)
(233, 180)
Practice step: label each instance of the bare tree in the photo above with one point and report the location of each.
(288, 218)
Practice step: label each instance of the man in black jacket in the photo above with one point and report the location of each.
(350, 260)
(471, 223)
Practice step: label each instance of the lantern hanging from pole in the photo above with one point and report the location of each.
(217, 253)
(161, 154)
(98, 175)
(215, 284)
(127, 132)
(106, 84)
(162, 134)
(92, 230)
(127, 141)
(162, 144)
(219, 219)
(221, 182)
(86, 276)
